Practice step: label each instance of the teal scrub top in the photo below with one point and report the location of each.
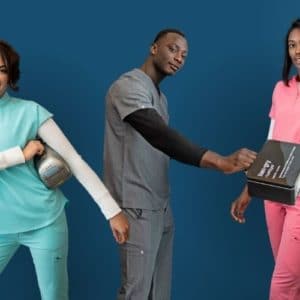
(25, 202)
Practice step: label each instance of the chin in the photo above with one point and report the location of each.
(170, 72)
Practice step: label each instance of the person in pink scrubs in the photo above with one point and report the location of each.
(283, 221)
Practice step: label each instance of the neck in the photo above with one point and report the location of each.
(149, 68)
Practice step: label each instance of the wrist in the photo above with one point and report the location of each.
(114, 216)
(247, 192)
(212, 160)
(25, 154)
(220, 161)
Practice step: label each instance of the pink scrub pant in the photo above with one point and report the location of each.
(283, 222)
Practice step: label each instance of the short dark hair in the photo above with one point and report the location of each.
(11, 60)
(166, 31)
(287, 64)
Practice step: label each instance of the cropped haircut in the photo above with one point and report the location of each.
(164, 32)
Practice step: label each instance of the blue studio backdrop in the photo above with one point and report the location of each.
(70, 54)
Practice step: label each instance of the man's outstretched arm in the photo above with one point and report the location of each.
(162, 137)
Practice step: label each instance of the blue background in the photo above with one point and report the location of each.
(71, 52)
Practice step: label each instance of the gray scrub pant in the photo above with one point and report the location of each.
(146, 258)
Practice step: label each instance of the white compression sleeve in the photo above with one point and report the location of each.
(270, 133)
(55, 138)
(11, 157)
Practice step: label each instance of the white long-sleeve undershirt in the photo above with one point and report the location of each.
(11, 157)
(55, 138)
(271, 128)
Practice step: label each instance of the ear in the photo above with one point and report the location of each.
(153, 49)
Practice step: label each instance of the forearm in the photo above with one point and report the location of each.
(157, 133)
(11, 157)
(245, 194)
(54, 137)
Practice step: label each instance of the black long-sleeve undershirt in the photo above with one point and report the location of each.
(157, 133)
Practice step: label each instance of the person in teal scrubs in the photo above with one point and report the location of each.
(31, 214)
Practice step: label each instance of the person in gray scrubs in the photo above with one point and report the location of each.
(137, 148)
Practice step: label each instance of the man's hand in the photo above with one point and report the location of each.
(237, 161)
(32, 148)
(120, 228)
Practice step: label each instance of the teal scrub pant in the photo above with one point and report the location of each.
(49, 250)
